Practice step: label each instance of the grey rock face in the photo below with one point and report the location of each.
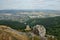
(41, 30)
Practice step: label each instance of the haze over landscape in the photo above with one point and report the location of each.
(12, 9)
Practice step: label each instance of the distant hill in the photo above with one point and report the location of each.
(15, 11)
(32, 13)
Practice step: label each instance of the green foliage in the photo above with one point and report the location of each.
(13, 24)
(51, 24)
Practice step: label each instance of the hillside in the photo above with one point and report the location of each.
(7, 33)
(51, 24)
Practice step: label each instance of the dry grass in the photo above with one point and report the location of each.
(14, 33)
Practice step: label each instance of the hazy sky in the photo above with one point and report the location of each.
(30, 4)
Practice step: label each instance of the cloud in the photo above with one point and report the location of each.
(30, 4)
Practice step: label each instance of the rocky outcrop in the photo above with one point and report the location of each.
(41, 31)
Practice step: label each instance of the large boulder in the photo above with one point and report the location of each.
(40, 30)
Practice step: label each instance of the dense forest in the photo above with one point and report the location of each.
(13, 24)
(51, 24)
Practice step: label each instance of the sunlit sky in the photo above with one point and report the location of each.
(30, 4)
